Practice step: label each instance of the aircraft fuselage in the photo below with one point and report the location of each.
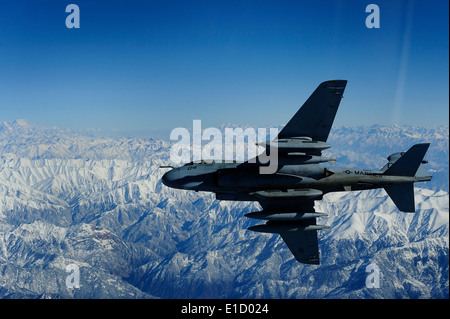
(230, 179)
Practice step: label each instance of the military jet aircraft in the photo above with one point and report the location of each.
(287, 196)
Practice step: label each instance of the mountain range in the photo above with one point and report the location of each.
(77, 197)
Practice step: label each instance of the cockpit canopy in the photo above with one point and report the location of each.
(196, 162)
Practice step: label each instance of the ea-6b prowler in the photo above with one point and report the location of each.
(287, 196)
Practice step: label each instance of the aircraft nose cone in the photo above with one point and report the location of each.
(170, 178)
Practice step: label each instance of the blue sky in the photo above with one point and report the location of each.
(144, 66)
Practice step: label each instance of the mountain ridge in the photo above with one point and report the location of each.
(98, 202)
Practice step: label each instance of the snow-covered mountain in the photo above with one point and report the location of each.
(78, 198)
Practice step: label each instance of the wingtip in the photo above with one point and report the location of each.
(334, 83)
(312, 261)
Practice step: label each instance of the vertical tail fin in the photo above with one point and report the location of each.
(407, 165)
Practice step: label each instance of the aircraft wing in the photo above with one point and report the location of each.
(295, 222)
(313, 121)
(316, 116)
(303, 245)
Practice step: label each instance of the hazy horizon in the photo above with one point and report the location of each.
(164, 134)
